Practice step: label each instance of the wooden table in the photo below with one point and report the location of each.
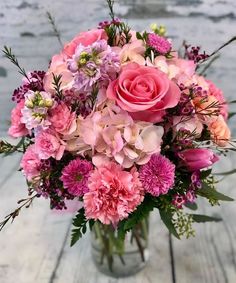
(35, 248)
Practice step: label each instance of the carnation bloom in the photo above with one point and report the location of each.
(113, 193)
(159, 43)
(75, 176)
(17, 128)
(198, 158)
(220, 132)
(157, 176)
(62, 119)
(30, 163)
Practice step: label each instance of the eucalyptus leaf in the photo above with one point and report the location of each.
(200, 218)
(192, 206)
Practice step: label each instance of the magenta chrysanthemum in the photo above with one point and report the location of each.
(75, 176)
(159, 43)
(157, 176)
(113, 193)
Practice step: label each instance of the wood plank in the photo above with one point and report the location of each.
(76, 264)
(210, 257)
(30, 246)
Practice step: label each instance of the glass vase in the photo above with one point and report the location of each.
(116, 256)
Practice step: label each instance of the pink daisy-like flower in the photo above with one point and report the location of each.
(75, 176)
(113, 193)
(157, 176)
(159, 43)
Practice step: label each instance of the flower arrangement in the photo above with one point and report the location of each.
(121, 123)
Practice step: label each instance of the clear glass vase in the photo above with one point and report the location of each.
(119, 257)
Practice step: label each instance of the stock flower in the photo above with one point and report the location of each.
(113, 193)
(62, 119)
(157, 176)
(198, 158)
(17, 128)
(144, 92)
(48, 144)
(30, 163)
(75, 176)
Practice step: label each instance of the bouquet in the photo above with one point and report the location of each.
(121, 124)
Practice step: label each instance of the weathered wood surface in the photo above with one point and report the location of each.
(36, 247)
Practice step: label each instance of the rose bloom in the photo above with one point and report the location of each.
(113, 193)
(58, 67)
(84, 38)
(144, 92)
(30, 163)
(48, 144)
(63, 120)
(198, 158)
(220, 132)
(17, 128)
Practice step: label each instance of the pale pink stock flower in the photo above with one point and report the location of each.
(62, 119)
(17, 128)
(48, 144)
(30, 163)
(113, 194)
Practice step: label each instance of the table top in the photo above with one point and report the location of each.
(35, 248)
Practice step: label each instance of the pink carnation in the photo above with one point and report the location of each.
(17, 128)
(113, 194)
(48, 144)
(30, 163)
(75, 176)
(157, 176)
(218, 94)
(62, 119)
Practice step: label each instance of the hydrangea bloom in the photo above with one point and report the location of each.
(113, 194)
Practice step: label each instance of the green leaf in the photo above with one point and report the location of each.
(231, 114)
(139, 36)
(199, 218)
(80, 222)
(166, 217)
(204, 174)
(213, 194)
(192, 206)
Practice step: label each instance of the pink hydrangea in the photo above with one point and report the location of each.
(62, 119)
(75, 176)
(48, 144)
(157, 176)
(17, 128)
(159, 43)
(113, 194)
(30, 163)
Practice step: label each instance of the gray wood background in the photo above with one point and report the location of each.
(35, 248)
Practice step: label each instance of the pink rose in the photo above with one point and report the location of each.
(58, 67)
(48, 144)
(30, 163)
(17, 128)
(198, 158)
(84, 38)
(144, 91)
(63, 120)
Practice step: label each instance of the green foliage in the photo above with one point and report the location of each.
(57, 85)
(6, 148)
(199, 218)
(192, 206)
(167, 218)
(212, 194)
(80, 223)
